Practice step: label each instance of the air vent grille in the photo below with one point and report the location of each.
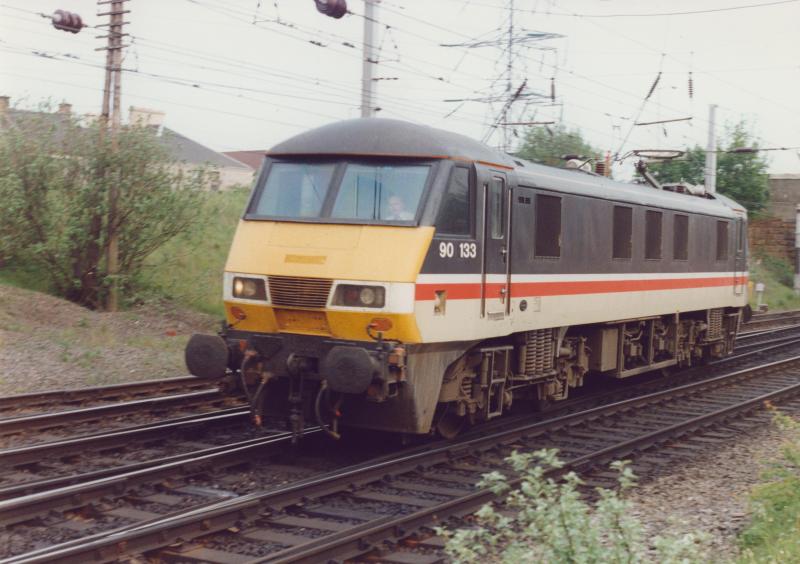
(291, 291)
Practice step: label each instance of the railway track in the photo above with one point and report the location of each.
(56, 400)
(775, 336)
(40, 427)
(32, 468)
(345, 512)
(771, 320)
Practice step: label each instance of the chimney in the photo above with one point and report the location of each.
(145, 117)
(65, 109)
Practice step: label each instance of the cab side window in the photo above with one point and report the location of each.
(455, 211)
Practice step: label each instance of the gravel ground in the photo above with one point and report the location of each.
(48, 343)
(710, 493)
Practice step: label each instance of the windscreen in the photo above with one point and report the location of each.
(366, 192)
(295, 190)
(380, 192)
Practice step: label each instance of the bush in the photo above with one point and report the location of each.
(55, 179)
(553, 523)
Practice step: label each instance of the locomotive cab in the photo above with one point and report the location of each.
(319, 286)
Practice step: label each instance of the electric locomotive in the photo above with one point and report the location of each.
(392, 276)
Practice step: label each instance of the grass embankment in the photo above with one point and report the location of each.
(188, 269)
(25, 277)
(778, 278)
(774, 532)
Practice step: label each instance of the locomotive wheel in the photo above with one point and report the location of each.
(450, 424)
(541, 405)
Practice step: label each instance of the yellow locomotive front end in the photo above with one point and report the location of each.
(330, 281)
(319, 293)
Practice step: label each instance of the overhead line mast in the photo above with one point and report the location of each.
(369, 60)
(112, 94)
(507, 41)
(509, 75)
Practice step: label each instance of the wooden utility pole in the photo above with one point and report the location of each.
(111, 105)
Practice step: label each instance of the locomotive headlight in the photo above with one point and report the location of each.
(352, 295)
(249, 288)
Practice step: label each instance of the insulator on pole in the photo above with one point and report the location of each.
(691, 86)
(67, 21)
(332, 8)
(653, 88)
(553, 89)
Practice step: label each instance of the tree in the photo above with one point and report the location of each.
(688, 168)
(55, 176)
(743, 176)
(548, 145)
(740, 175)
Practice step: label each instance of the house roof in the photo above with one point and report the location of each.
(180, 147)
(184, 149)
(250, 158)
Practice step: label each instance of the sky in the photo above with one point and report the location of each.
(247, 74)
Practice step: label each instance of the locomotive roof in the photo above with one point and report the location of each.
(576, 182)
(396, 138)
(388, 137)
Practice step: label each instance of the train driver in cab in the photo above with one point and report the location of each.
(397, 209)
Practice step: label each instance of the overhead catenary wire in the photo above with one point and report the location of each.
(436, 26)
(193, 83)
(653, 14)
(689, 65)
(162, 46)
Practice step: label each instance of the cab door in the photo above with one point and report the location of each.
(740, 257)
(496, 265)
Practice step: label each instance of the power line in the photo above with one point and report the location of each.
(683, 63)
(209, 86)
(142, 42)
(151, 98)
(650, 14)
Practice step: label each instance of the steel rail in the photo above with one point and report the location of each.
(43, 420)
(214, 517)
(761, 332)
(32, 453)
(744, 348)
(64, 396)
(756, 324)
(25, 507)
(772, 315)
